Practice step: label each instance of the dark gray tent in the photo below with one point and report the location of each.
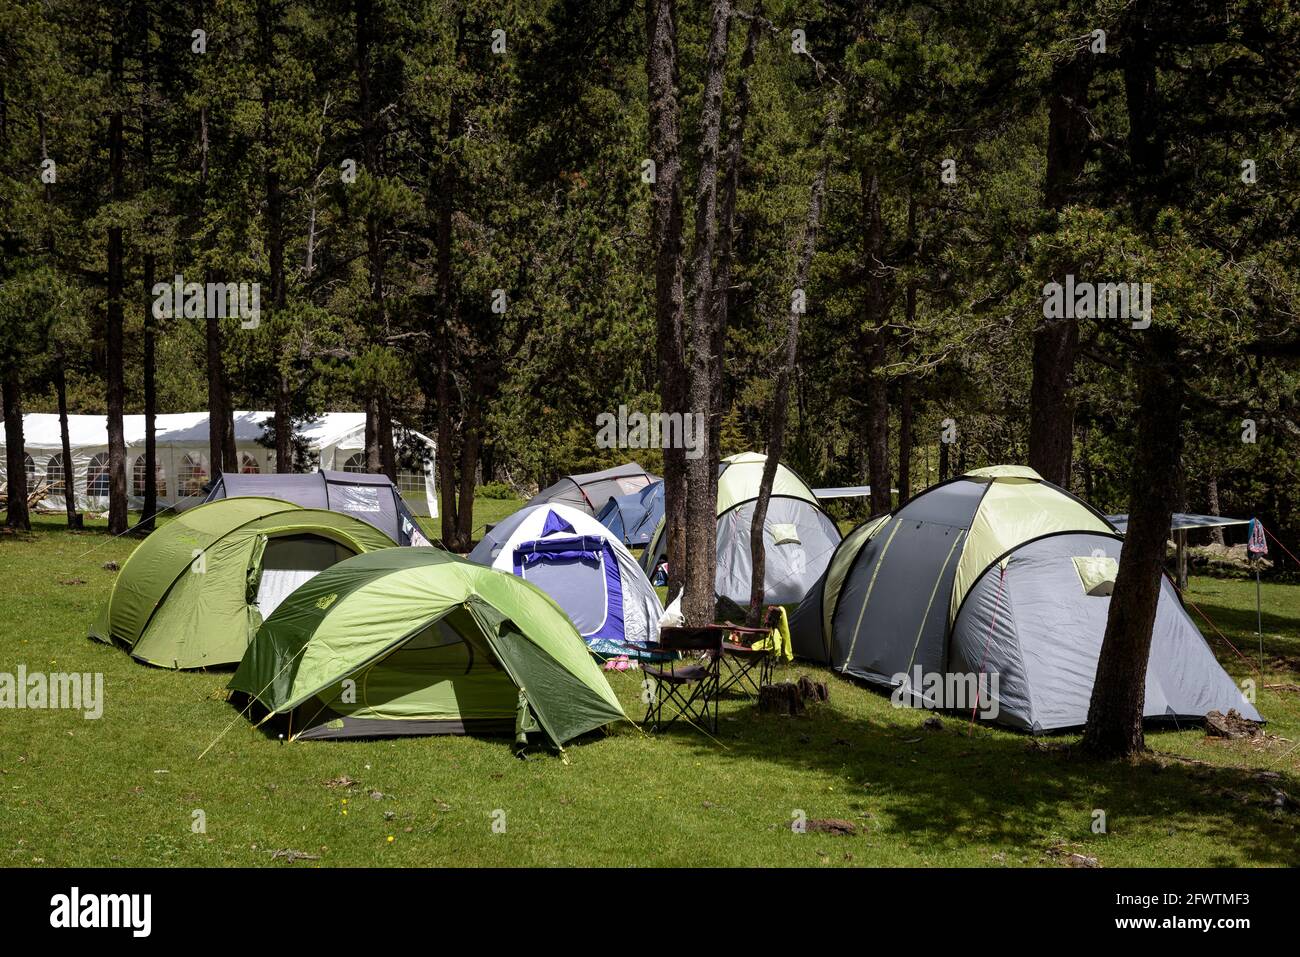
(591, 490)
(997, 573)
(371, 498)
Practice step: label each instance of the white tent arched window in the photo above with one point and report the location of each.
(248, 465)
(97, 475)
(54, 474)
(192, 475)
(355, 463)
(138, 475)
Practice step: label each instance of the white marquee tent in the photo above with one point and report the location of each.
(335, 439)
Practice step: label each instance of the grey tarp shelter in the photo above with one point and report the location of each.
(591, 490)
(998, 572)
(371, 498)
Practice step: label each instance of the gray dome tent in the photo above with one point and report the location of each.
(998, 573)
(799, 538)
(371, 498)
(591, 490)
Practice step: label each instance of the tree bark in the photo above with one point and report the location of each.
(282, 421)
(701, 476)
(17, 516)
(1056, 341)
(781, 402)
(116, 385)
(149, 505)
(1114, 726)
(65, 440)
(727, 225)
(875, 333)
(666, 244)
(1212, 506)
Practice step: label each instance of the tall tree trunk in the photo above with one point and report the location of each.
(1114, 726)
(666, 243)
(727, 226)
(1212, 506)
(1056, 341)
(446, 332)
(65, 440)
(781, 401)
(116, 397)
(17, 516)
(378, 439)
(875, 331)
(282, 422)
(701, 476)
(149, 505)
(60, 362)
(447, 486)
(905, 381)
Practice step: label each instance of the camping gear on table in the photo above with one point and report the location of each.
(418, 641)
(1002, 578)
(193, 593)
(583, 566)
(798, 536)
(371, 498)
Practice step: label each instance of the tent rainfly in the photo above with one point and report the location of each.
(584, 567)
(193, 593)
(997, 573)
(364, 495)
(418, 641)
(335, 441)
(591, 490)
(633, 517)
(798, 536)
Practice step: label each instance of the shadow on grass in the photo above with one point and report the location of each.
(957, 786)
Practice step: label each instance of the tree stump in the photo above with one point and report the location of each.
(813, 690)
(791, 697)
(781, 698)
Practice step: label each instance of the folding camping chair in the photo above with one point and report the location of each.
(745, 667)
(690, 687)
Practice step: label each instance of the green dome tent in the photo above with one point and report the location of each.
(997, 573)
(418, 641)
(799, 537)
(194, 593)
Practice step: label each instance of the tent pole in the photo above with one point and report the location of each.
(1259, 622)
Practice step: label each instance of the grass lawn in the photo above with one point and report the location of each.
(123, 790)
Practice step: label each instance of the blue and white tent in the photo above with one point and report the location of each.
(584, 567)
(633, 518)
